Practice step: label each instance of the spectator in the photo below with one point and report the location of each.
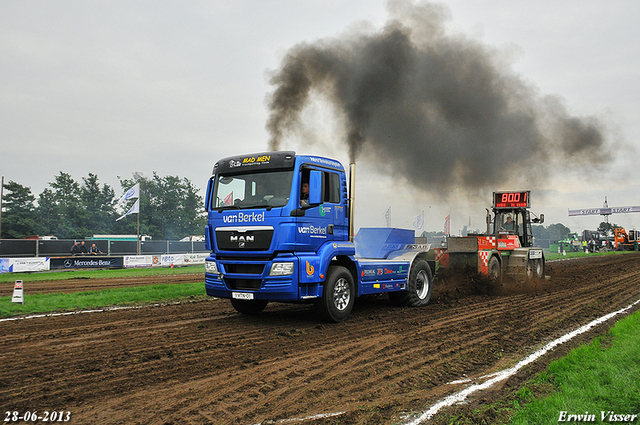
(94, 250)
(83, 248)
(75, 249)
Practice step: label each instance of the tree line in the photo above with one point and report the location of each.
(170, 208)
(553, 232)
(558, 232)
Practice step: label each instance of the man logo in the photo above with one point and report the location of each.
(242, 240)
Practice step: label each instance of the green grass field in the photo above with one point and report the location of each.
(57, 302)
(600, 378)
(99, 274)
(555, 256)
(596, 380)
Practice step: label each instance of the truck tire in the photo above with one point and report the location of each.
(494, 272)
(338, 295)
(419, 287)
(249, 306)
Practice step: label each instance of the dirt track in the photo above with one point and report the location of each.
(201, 363)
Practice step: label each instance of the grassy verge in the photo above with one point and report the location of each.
(555, 256)
(55, 302)
(100, 274)
(600, 378)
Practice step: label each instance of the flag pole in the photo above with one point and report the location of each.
(138, 231)
(1, 194)
(138, 238)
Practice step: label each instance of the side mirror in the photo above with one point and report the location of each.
(315, 187)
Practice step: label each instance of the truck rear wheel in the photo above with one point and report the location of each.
(249, 306)
(338, 295)
(419, 287)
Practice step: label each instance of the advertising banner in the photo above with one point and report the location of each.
(5, 265)
(16, 265)
(37, 264)
(164, 260)
(172, 260)
(138, 261)
(195, 258)
(87, 263)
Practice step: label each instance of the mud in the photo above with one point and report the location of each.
(202, 363)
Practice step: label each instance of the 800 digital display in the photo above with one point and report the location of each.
(511, 199)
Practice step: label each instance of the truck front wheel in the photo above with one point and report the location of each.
(249, 306)
(338, 295)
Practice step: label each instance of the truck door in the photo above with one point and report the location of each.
(324, 220)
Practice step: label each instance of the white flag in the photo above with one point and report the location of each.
(132, 193)
(419, 221)
(387, 217)
(135, 209)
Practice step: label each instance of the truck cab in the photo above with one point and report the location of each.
(279, 229)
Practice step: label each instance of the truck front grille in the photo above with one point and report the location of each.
(244, 268)
(249, 238)
(249, 284)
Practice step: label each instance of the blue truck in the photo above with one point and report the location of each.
(280, 228)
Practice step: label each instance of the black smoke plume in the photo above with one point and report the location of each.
(444, 111)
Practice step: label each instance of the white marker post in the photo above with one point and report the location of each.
(18, 296)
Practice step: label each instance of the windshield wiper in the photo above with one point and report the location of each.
(227, 207)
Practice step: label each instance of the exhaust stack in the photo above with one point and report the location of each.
(352, 199)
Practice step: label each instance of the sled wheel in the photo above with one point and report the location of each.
(538, 269)
(493, 270)
(534, 270)
(529, 270)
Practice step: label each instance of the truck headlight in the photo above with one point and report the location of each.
(281, 269)
(210, 267)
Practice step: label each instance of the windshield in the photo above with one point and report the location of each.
(252, 190)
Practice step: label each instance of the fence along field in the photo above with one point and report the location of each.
(62, 247)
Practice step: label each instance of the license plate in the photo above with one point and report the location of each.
(242, 295)
(535, 254)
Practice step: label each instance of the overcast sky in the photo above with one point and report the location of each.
(115, 87)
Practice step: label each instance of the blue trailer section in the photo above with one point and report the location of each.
(278, 230)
